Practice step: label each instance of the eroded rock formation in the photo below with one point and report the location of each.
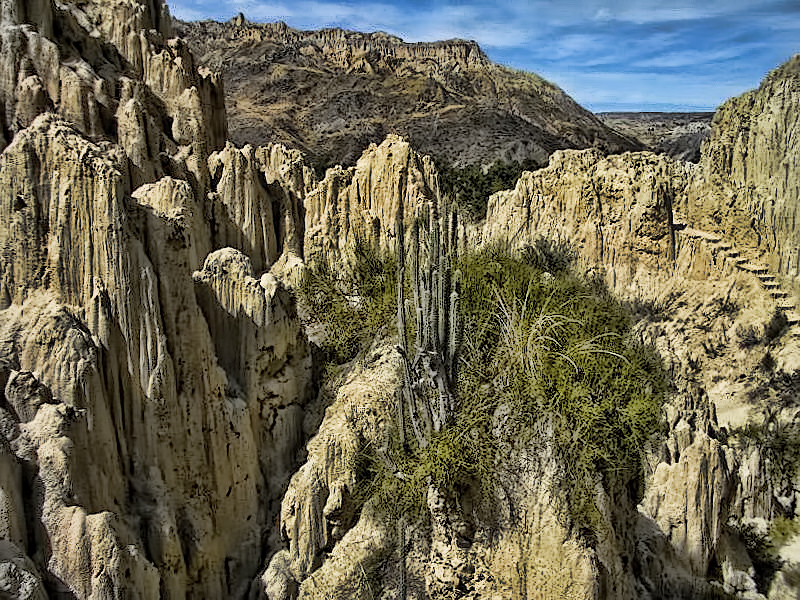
(749, 190)
(389, 182)
(156, 381)
(153, 388)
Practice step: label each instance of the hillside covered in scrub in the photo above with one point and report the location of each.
(227, 374)
(331, 93)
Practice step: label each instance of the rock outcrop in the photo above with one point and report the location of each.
(696, 251)
(616, 212)
(748, 192)
(154, 382)
(320, 508)
(175, 399)
(511, 545)
(389, 182)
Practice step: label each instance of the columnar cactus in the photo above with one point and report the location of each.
(456, 333)
(415, 282)
(430, 367)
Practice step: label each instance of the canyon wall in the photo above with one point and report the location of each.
(331, 93)
(155, 379)
(749, 191)
(158, 387)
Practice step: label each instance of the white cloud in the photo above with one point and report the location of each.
(690, 58)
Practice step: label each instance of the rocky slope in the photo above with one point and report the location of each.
(158, 389)
(749, 191)
(724, 478)
(332, 93)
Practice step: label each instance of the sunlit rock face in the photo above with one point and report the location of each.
(390, 182)
(749, 191)
(154, 383)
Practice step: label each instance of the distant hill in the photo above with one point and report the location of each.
(331, 93)
(678, 135)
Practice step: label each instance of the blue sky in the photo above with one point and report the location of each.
(608, 55)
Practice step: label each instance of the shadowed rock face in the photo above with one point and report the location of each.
(332, 93)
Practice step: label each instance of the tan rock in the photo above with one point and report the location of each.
(688, 500)
(389, 181)
(184, 439)
(750, 168)
(615, 212)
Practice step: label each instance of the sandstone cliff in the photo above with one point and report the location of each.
(331, 93)
(390, 182)
(154, 382)
(717, 317)
(157, 385)
(511, 545)
(749, 192)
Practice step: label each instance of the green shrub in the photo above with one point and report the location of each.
(471, 186)
(782, 530)
(762, 553)
(550, 351)
(559, 352)
(351, 303)
(778, 443)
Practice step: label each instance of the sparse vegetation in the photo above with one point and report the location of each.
(352, 302)
(548, 350)
(762, 552)
(783, 530)
(778, 443)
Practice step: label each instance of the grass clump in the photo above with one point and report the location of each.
(541, 353)
(353, 299)
(559, 354)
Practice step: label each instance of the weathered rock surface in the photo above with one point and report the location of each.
(187, 408)
(87, 81)
(615, 211)
(146, 338)
(709, 303)
(332, 93)
(749, 191)
(336, 547)
(389, 182)
(182, 397)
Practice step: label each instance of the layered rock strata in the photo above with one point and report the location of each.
(332, 93)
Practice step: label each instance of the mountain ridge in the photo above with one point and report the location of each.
(331, 92)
